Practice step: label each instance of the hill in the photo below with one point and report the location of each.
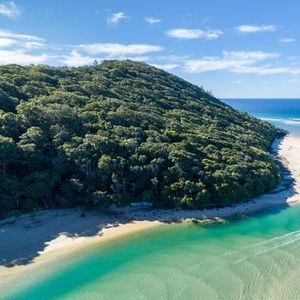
(123, 132)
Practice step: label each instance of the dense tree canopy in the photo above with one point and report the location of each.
(123, 132)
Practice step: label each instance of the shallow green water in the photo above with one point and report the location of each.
(257, 257)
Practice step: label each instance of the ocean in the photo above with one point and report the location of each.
(254, 257)
(283, 113)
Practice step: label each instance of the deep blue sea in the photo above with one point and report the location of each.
(283, 113)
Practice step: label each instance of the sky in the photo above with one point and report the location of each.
(236, 49)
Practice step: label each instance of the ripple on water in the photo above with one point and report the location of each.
(254, 258)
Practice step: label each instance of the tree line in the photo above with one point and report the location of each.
(122, 132)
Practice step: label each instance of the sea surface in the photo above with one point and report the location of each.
(284, 113)
(254, 257)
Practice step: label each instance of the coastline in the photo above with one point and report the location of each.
(63, 232)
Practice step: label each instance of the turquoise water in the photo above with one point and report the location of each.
(256, 257)
(253, 258)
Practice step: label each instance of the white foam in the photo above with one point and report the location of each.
(289, 121)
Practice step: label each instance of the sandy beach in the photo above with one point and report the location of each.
(32, 239)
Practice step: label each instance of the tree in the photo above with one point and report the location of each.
(8, 152)
(120, 132)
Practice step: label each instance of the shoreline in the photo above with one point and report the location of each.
(47, 235)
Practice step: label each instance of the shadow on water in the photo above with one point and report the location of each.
(23, 239)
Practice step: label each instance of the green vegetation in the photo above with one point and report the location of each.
(122, 132)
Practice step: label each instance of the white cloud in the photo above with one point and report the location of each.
(119, 50)
(23, 41)
(32, 45)
(288, 40)
(16, 48)
(74, 58)
(166, 67)
(115, 18)
(9, 9)
(86, 54)
(152, 20)
(4, 42)
(249, 56)
(256, 28)
(184, 33)
(24, 48)
(239, 62)
(207, 64)
(266, 70)
(21, 58)
(173, 58)
(9, 34)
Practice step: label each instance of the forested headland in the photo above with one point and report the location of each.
(123, 132)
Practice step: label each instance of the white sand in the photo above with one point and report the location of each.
(33, 239)
(289, 150)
